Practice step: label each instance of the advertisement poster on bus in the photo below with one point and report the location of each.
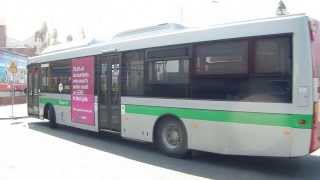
(82, 97)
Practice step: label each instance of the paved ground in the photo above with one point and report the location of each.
(31, 150)
(19, 110)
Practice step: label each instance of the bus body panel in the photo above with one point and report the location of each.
(302, 68)
(279, 108)
(62, 106)
(226, 138)
(300, 144)
(246, 139)
(137, 126)
(218, 129)
(314, 29)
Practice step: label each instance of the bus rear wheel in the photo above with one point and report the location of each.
(51, 117)
(171, 138)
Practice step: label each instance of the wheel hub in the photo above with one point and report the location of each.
(172, 136)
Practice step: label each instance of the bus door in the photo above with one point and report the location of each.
(109, 92)
(33, 89)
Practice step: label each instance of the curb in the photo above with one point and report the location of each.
(14, 118)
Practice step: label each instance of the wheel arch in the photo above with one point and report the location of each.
(45, 110)
(162, 118)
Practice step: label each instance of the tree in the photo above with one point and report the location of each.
(282, 9)
(43, 31)
(83, 33)
(54, 36)
(41, 38)
(69, 38)
(37, 36)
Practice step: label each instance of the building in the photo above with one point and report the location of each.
(13, 45)
(3, 35)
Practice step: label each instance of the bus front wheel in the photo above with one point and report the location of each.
(171, 137)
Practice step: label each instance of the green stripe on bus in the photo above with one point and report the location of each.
(283, 120)
(56, 102)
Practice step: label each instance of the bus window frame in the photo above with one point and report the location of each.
(188, 56)
(47, 90)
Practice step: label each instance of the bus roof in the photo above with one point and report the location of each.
(177, 35)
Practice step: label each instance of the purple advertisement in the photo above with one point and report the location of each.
(82, 96)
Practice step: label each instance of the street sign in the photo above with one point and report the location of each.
(13, 67)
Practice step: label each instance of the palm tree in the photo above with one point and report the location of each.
(43, 31)
(83, 33)
(282, 9)
(41, 38)
(54, 36)
(69, 38)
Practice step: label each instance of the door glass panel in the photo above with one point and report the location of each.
(115, 97)
(103, 79)
(33, 90)
(36, 91)
(109, 93)
(103, 111)
(30, 103)
(115, 84)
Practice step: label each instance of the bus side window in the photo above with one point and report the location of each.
(221, 71)
(58, 72)
(273, 69)
(133, 74)
(224, 71)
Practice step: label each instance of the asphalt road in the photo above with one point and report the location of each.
(29, 149)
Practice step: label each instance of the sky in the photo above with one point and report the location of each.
(101, 19)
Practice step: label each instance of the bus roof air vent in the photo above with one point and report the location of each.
(70, 45)
(150, 30)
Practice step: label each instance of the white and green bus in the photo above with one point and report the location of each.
(246, 88)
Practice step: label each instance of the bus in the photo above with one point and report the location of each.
(247, 88)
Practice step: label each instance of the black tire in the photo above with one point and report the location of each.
(51, 117)
(171, 138)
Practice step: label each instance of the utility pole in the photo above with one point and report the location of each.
(13, 69)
